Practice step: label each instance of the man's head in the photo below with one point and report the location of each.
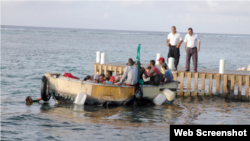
(107, 77)
(190, 31)
(88, 77)
(152, 63)
(173, 28)
(161, 60)
(28, 100)
(103, 75)
(164, 66)
(130, 62)
(101, 79)
(109, 73)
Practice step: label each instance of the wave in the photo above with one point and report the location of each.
(18, 29)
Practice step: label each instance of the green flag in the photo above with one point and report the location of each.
(141, 81)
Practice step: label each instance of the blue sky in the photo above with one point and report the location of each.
(203, 16)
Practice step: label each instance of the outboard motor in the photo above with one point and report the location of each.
(44, 94)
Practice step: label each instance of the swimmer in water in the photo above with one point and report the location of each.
(29, 100)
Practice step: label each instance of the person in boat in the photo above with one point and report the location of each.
(168, 77)
(162, 61)
(130, 74)
(112, 78)
(141, 70)
(101, 79)
(154, 74)
(96, 79)
(117, 79)
(103, 75)
(29, 100)
(107, 80)
(88, 78)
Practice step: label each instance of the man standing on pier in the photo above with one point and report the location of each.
(191, 41)
(174, 42)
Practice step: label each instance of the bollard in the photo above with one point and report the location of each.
(171, 63)
(158, 56)
(221, 71)
(103, 58)
(98, 57)
(222, 66)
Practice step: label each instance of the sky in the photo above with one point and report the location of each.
(229, 17)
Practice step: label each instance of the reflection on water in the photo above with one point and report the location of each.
(58, 121)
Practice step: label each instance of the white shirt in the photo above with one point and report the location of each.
(192, 40)
(130, 75)
(174, 38)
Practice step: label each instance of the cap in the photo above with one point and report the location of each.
(161, 59)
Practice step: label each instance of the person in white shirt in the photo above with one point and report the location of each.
(174, 42)
(130, 74)
(191, 40)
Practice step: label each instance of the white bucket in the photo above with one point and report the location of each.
(222, 66)
(169, 94)
(80, 98)
(159, 99)
(158, 56)
(171, 63)
(103, 58)
(98, 57)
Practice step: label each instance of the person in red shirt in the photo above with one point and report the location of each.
(154, 74)
(112, 78)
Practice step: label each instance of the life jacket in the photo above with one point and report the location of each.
(70, 75)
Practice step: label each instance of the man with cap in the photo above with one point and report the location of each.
(174, 42)
(161, 62)
(130, 74)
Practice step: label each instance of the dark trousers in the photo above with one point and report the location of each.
(192, 52)
(175, 53)
(154, 80)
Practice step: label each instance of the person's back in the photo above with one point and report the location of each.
(131, 75)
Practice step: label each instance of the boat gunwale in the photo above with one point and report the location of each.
(98, 84)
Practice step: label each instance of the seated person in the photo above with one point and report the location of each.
(96, 79)
(130, 74)
(167, 75)
(162, 61)
(107, 80)
(154, 74)
(88, 78)
(112, 78)
(117, 79)
(101, 79)
(103, 75)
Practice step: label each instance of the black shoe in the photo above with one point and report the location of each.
(186, 70)
(175, 68)
(195, 70)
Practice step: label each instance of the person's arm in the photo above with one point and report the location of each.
(178, 45)
(185, 46)
(148, 74)
(124, 76)
(199, 43)
(168, 40)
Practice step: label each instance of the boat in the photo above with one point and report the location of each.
(65, 90)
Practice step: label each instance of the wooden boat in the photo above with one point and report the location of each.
(64, 90)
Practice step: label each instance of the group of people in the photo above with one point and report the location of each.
(130, 75)
(191, 40)
(103, 78)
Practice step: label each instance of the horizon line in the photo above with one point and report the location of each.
(115, 29)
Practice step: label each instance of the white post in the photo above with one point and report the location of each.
(158, 56)
(222, 66)
(221, 71)
(98, 57)
(171, 63)
(103, 58)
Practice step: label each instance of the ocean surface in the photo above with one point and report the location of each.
(28, 52)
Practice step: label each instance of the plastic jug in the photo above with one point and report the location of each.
(159, 99)
(80, 98)
(169, 94)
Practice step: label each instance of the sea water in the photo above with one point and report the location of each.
(28, 52)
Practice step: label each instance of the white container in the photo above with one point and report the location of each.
(80, 98)
(171, 63)
(103, 58)
(159, 99)
(158, 56)
(222, 66)
(169, 94)
(98, 57)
